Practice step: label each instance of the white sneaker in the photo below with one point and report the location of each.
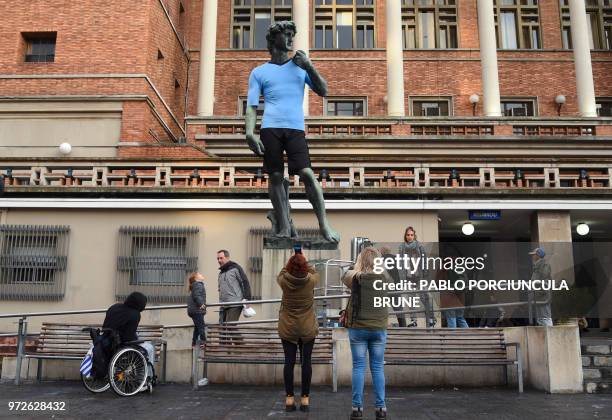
(203, 382)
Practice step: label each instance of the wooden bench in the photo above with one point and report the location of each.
(261, 345)
(70, 342)
(452, 346)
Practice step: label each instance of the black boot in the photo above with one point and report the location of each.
(381, 414)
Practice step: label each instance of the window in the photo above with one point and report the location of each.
(599, 22)
(429, 24)
(39, 47)
(251, 19)
(512, 107)
(430, 107)
(604, 107)
(345, 107)
(156, 261)
(344, 24)
(33, 262)
(242, 104)
(517, 24)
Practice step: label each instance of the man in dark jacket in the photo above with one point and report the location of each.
(233, 287)
(124, 319)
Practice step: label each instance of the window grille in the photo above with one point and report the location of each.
(156, 261)
(39, 46)
(33, 261)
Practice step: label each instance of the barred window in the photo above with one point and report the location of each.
(517, 24)
(344, 24)
(39, 46)
(156, 260)
(429, 24)
(599, 21)
(604, 107)
(33, 262)
(251, 19)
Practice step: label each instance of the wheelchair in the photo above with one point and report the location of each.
(129, 370)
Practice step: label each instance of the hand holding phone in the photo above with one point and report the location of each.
(297, 248)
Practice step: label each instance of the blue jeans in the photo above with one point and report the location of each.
(373, 342)
(455, 319)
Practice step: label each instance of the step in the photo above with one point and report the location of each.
(598, 386)
(595, 350)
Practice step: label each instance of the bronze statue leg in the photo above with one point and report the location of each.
(315, 196)
(280, 203)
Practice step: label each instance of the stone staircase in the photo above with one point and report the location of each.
(597, 365)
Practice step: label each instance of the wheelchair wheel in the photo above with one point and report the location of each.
(95, 385)
(128, 372)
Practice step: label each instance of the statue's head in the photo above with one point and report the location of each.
(280, 36)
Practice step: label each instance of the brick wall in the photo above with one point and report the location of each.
(118, 37)
(95, 41)
(454, 73)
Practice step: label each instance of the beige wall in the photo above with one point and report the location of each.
(94, 237)
(36, 129)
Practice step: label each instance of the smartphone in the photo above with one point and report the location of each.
(297, 248)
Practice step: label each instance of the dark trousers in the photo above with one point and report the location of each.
(199, 328)
(229, 314)
(290, 357)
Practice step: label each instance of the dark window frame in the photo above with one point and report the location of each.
(431, 99)
(607, 100)
(242, 104)
(346, 99)
(48, 40)
(445, 16)
(602, 36)
(325, 14)
(243, 16)
(524, 19)
(519, 100)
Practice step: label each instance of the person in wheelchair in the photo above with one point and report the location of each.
(124, 318)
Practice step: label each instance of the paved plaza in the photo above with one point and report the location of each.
(217, 402)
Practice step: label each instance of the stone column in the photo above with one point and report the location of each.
(552, 231)
(301, 16)
(582, 59)
(395, 60)
(208, 49)
(488, 59)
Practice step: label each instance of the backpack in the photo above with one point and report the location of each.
(104, 347)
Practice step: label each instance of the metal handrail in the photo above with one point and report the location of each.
(161, 307)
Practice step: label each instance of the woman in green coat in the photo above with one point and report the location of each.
(297, 324)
